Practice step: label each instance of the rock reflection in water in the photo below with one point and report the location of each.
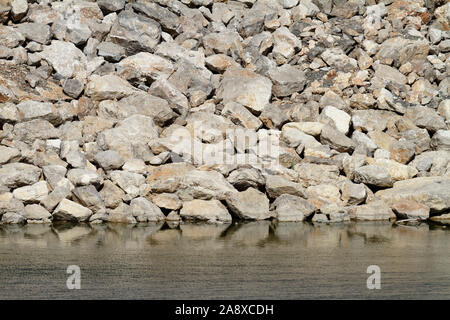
(255, 260)
(258, 233)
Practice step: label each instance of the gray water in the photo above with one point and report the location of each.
(259, 260)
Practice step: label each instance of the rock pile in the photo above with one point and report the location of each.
(134, 111)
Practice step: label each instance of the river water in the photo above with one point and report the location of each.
(258, 260)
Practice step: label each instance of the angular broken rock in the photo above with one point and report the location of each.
(135, 32)
(241, 116)
(441, 140)
(7, 154)
(277, 186)
(144, 210)
(139, 103)
(340, 118)
(211, 211)
(292, 208)
(110, 51)
(167, 177)
(36, 212)
(19, 9)
(134, 129)
(33, 193)
(89, 197)
(287, 80)
(71, 211)
(15, 175)
(65, 58)
(353, 193)
(245, 87)
(53, 174)
(128, 181)
(12, 218)
(285, 46)
(31, 130)
(61, 190)
(396, 170)
(121, 214)
(293, 134)
(37, 32)
(111, 194)
(244, 178)
(250, 204)
(373, 175)
(108, 87)
(148, 65)
(168, 201)
(373, 211)
(408, 209)
(111, 5)
(222, 42)
(73, 88)
(109, 160)
(336, 139)
(428, 191)
(205, 185)
(220, 62)
(84, 177)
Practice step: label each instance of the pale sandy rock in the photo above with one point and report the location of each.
(429, 191)
(148, 65)
(198, 184)
(121, 214)
(373, 211)
(66, 59)
(408, 209)
(108, 87)
(33, 193)
(212, 211)
(144, 210)
(250, 204)
(36, 212)
(245, 87)
(340, 118)
(15, 175)
(373, 175)
(71, 211)
(292, 208)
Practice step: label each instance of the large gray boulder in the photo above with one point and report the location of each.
(277, 186)
(250, 204)
(15, 175)
(205, 185)
(134, 32)
(134, 130)
(373, 211)
(71, 211)
(292, 208)
(245, 87)
(432, 192)
(212, 211)
(143, 210)
(373, 175)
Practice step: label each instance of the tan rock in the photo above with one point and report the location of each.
(408, 209)
(212, 211)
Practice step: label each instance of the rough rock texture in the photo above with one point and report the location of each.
(140, 111)
(292, 208)
(205, 210)
(250, 204)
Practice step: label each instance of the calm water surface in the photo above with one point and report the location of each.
(259, 260)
